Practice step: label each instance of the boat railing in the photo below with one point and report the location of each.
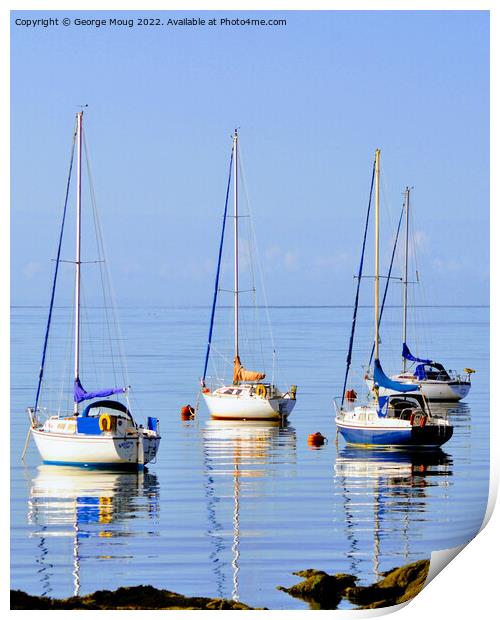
(455, 375)
(214, 382)
(438, 421)
(37, 416)
(343, 408)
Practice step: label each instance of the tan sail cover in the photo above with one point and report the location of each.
(241, 374)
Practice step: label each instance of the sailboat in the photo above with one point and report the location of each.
(104, 432)
(435, 382)
(401, 420)
(248, 397)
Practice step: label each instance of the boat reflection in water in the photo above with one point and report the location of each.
(459, 412)
(385, 495)
(99, 505)
(240, 458)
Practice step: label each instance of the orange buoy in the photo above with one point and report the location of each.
(205, 390)
(351, 395)
(315, 440)
(187, 412)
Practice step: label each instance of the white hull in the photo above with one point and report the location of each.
(231, 407)
(74, 449)
(432, 390)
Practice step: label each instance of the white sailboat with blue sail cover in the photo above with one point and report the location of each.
(249, 396)
(435, 382)
(403, 420)
(103, 433)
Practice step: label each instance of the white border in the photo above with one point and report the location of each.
(469, 584)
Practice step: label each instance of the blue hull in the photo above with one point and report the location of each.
(415, 437)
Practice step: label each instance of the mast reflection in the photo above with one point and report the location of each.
(244, 453)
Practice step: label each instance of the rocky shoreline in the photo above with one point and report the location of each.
(319, 589)
(324, 591)
(134, 597)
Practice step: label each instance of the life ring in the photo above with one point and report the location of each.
(260, 390)
(105, 422)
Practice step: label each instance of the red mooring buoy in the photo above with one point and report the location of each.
(316, 440)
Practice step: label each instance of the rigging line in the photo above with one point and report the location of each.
(424, 310)
(93, 357)
(253, 253)
(81, 262)
(65, 370)
(223, 357)
(100, 249)
(388, 278)
(59, 392)
(412, 309)
(386, 203)
(259, 264)
(217, 274)
(108, 284)
(358, 285)
(52, 296)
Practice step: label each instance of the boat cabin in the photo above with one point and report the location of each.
(91, 420)
(431, 372)
(403, 407)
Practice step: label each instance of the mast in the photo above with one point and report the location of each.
(79, 118)
(235, 172)
(377, 208)
(405, 283)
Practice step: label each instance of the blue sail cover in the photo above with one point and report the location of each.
(383, 405)
(408, 356)
(382, 380)
(80, 394)
(420, 372)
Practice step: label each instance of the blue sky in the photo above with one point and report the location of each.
(312, 99)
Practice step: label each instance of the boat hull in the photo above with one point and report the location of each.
(446, 391)
(96, 451)
(432, 436)
(228, 407)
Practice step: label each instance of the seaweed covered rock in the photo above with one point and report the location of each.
(399, 585)
(319, 589)
(324, 591)
(136, 597)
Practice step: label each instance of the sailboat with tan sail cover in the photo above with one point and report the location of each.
(249, 396)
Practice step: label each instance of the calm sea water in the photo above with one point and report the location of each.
(231, 509)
